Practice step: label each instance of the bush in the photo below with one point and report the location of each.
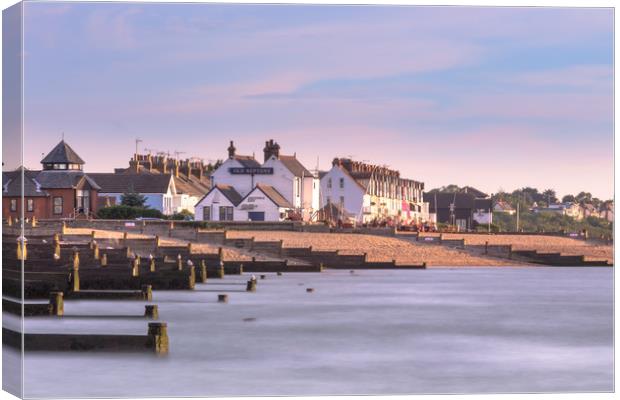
(183, 215)
(127, 212)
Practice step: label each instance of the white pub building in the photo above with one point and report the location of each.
(244, 190)
(365, 193)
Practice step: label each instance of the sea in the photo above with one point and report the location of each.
(440, 330)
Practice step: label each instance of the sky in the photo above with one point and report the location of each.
(495, 98)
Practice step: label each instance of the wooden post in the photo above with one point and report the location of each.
(220, 253)
(510, 251)
(203, 271)
(92, 235)
(129, 254)
(125, 237)
(96, 252)
(158, 337)
(486, 247)
(104, 260)
(179, 263)
(9, 221)
(22, 248)
(56, 237)
(222, 298)
(151, 311)
(251, 286)
(281, 246)
(34, 222)
(135, 267)
(63, 230)
(57, 303)
(220, 271)
(151, 263)
(75, 273)
(189, 247)
(147, 292)
(170, 228)
(57, 250)
(192, 277)
(156, 241)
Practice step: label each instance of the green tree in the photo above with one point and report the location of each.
(549, 196)
(133, 199)
(569, 198)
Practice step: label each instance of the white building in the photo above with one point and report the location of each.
(366, 193)
(280, 188)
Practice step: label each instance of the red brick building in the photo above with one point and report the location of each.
(60, 190)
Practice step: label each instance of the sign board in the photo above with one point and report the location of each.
(130, 224)
(250, 171)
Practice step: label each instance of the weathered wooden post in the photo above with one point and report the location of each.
(57, 251)
(92, 234)
(56, 237)
(192, 276)
(309, 290)
(251, 286)
(96, 251)
(424, 264)
(147, 292)
(104, 260)
(220, 271)
(486, 247)
(179, 262)
(9, 221)
(151, 311)
(63, 229)
(585, 234)
(281, 247)
(510, 251)
(75, 274)
(125, 237)
(135, 267)
(22, 248)
(57, 303)
(189, 247)
(220, 253)
(263, 276)
(129, 254)
(203, 271)
(158, 337)
(151, 263)
(156, 241)
(34, 222)
(170, 228)
(222, 298)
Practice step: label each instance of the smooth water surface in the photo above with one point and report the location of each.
(459, 330)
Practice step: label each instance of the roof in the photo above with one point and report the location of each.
(461, 200)
(247, 161)
(12, 184)
(272, 194)
(140, 183)
(54, 179)
(483, 204)
(504, 206)
(228, 191)
(471, 190)
(192, 187)
(293, 165)
(62, 153)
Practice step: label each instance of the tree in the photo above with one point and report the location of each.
(584, 197)
(569, 198)
(133, 199)
(549, 196)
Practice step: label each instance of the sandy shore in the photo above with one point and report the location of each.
(546, 244)
(378, 248)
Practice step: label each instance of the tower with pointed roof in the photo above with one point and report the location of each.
(62, 158)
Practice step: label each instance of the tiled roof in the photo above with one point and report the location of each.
(293, 165)
(273, 195)
(140, 183)
(443, 200)
(192, 187)
(247, 161)
(12, 183)
(54, 179)
(477, 193)
(62, 153)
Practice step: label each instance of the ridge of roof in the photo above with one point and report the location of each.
(62, 153)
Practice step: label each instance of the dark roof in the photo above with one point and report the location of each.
(293, 165)
(272, 194)
(477, 193)
(54, 179)
(229, 192)
(140, 183)
(12, 184)
(461, 200)
(62, 153)
(247, 161)
(482, 204)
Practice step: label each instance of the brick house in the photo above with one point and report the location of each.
(60, 190)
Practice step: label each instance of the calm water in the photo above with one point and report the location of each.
(474, 330)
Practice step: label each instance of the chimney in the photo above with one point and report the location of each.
(271, 149)
(231, 150)
(133, 164)
(176, 168)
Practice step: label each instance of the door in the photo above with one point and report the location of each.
(256, 215)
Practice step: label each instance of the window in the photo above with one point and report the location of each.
(206, 213)
(341, 183)
(57, 205)
(226, 213)
(30, 205)
(329, 200)
(13, 204)
(341, 201)
(329, 183)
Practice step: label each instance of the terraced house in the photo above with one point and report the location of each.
(365, 193)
